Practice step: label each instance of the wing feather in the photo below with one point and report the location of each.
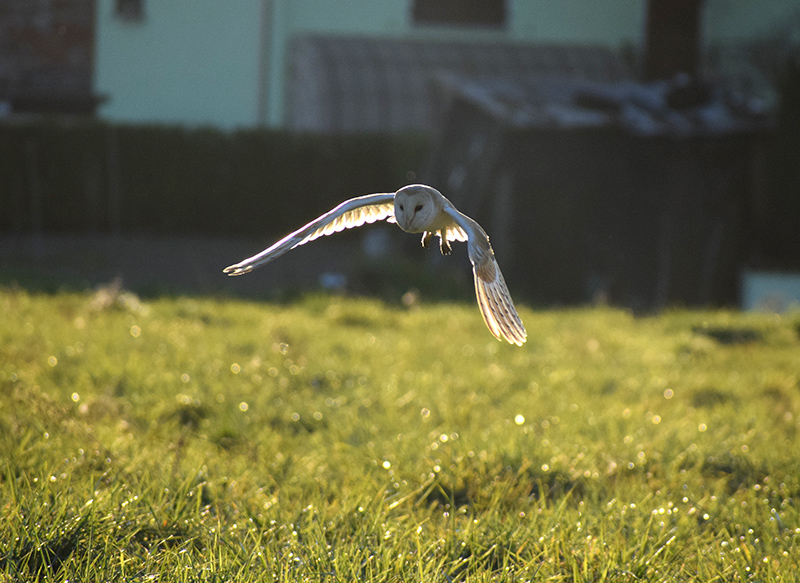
(484, 305)
(349, 214)
(502, 308)
(456, 233)
(494, 299)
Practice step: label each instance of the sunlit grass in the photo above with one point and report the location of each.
(343, 439)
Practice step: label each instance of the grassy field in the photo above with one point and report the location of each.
(334, 439)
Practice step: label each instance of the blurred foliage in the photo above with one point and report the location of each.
(90, 176)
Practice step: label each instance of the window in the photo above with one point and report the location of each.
(129, 9)
(490, 13)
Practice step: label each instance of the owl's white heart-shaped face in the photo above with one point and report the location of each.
(415, 208)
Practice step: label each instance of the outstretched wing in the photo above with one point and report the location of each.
(351, 213)
(494, 299)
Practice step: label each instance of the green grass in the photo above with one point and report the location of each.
(336, 439)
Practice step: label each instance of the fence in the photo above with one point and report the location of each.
(93, 177)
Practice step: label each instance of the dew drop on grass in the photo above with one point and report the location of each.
(243, 407)
(52, 360)
(519, 419)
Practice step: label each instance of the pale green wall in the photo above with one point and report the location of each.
(185, 62)
(729, 21)
(607, 22)
(203, 62)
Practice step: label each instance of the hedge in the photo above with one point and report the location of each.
(90, 176)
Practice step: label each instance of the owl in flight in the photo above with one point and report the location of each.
(416, 209)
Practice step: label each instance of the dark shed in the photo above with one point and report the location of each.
(639, 194)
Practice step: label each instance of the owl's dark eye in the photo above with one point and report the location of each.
(418, 208)
(401, 208)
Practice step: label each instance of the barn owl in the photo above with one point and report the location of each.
(416, 209)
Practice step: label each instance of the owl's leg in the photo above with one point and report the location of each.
(426, 239)
(444, 244)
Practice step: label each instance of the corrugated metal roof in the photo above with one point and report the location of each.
(353, 84)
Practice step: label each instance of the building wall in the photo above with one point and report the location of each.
(206, 62)
(608, 22)
(184, 62)
(730, 21)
